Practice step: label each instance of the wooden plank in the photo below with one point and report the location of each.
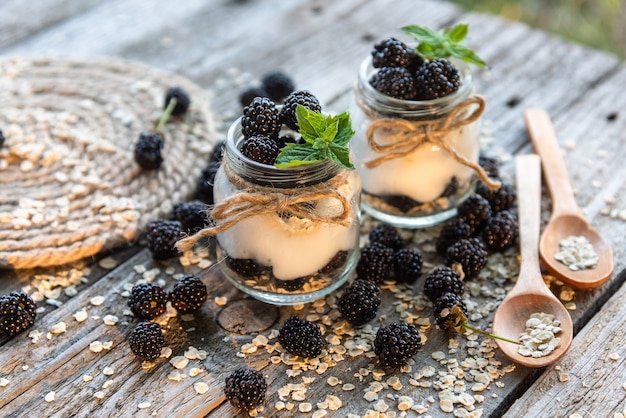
(596, 384)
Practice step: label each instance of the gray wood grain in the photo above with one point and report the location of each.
(321, 43)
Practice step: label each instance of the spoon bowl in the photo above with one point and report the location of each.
(530, 294)
(567, 219)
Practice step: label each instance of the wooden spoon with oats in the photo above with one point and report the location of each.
(531, 296)
(567, 223)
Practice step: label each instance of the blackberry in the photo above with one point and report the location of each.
(218, 152)
(278, 85)
(337, 261)
(301, 338)
(182, 100)
(499, 200)
(148, 150)
(396, 82)
(300, 97)
(204, 191)
(490, 165)
(147, 300)
(146, 340)
(248, 94)
(17, 313)
(437, 78)
(470, 253)
(475, 210)
(161, 238)
(386, 235)
(501, 231)
(191, 215)
(452, 231)
(260, 117)
(401, 202)
(443, 280)
(359, 302)
(396, 343)
(394, 53)
(451, 188)
(188, 294)
(376, 263)
(246, 267)
(407, 265)
(245, 388)
(450, 312)
(260, 148)
(291, 285)
(2, 138)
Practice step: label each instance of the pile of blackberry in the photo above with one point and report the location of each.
(147, 301)
(484, 224)
(405, 75)
(385, 258)
(262, 122)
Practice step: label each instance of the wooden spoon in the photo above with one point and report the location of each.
(530, 294)
(567, 219)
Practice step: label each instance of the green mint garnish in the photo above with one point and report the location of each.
(326, 138)
(444, 44)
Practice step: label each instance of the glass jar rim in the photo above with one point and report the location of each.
(269, 175)
(386, 104)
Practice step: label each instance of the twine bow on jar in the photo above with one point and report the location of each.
(404, 136)
(252, 200)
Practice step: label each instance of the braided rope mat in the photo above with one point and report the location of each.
(69, 185)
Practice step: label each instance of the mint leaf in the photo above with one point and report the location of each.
(458, 33)
(326, 138)
(297, 154)
(444, 44)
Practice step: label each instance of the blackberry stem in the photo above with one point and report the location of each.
(480, 331)
(167, 113)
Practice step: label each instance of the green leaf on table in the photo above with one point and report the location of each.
(326, 138)
(444, 44)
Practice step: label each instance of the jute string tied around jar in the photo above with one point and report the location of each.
(253, 200)
(405, 136)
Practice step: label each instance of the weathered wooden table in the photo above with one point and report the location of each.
(321, 43)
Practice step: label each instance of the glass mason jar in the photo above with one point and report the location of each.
(298, 239)
(416, 159)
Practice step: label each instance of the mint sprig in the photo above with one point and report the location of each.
(326, 138)
(444, 44)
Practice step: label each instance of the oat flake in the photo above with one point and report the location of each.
(50, 396)
(200, 387)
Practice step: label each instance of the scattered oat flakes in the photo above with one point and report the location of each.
(348, 387)
(144, 405)
(107, 384)
(333, 381)
(108, 371)
(195, 371)
(110, 319)
(50, 396)
(97, 300)
(96, 346)
(614, 356)
(166, 352)
(563, 377)
(98, 395)
(405, 403)
(87, 378)
(319, 413)
(179, 362)
(200, 387)
(221, 300)
(108, 263)
(58, 328)
(4, 382)
(175, 376)
(305, 407)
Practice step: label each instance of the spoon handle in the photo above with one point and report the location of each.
(544, 140)
(528, 175)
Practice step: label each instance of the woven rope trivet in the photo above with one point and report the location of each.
(69, 185)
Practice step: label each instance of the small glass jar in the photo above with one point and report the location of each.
(300, 239)
(404, 151)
